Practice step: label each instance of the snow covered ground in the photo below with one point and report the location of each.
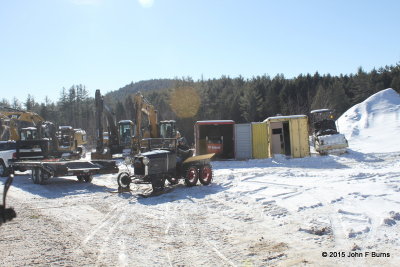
(279, 212)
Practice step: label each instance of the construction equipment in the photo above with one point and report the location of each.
(19, 119)
(142, 106)
(71, 140)
(153, 129)
(46, 141)
(4, 127)
(326, 138)
(119, 136)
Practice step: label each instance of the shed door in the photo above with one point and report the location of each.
(277, 143)
(243, 141)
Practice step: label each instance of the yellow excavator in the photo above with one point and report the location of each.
(153, 129)
(18, 120)
(116, 137)
(29, 126)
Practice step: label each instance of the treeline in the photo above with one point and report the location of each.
(238, 99)
(255, 99)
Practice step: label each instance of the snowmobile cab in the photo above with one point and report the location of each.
(325, 136)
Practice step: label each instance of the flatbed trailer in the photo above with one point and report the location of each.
(43, 170)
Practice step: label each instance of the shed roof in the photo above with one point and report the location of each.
(215, 122)
(285, 117)
(321, 110)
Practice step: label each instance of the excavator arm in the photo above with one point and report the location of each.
(113, 141)
(142, 106)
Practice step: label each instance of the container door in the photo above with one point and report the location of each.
(260, 140)
(277, 141)
(243, 141)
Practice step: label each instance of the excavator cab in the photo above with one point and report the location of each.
(29, 133)
(126, 129)
(65, 137)
(168, 129)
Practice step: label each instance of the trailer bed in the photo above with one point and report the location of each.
(45, 169)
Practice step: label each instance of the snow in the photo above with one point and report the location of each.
(332, 139)
(320, 110)
(374, 124)
(285, 117)
(277, 211)
(215, 122)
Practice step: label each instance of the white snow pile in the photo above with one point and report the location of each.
(374, 124)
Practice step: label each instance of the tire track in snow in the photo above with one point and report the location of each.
(109, 218)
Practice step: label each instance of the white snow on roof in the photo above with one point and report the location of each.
(320, 110)
(125, 121)
(285, 117)
(216, 121)
(65, 127)
(374, 124)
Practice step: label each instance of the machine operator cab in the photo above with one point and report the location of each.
(29, 133)
(126, 130)
(168, 129)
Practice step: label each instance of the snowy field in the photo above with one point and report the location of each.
(270, 212)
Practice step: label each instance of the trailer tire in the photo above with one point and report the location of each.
(192, 176)
(88, 178)
(206, 175)
(80, 178)
(37, 176)
(124, 180)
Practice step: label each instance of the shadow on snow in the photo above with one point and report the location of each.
(57, 187)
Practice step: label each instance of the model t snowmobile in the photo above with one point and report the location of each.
(325, 136)
(163, 160)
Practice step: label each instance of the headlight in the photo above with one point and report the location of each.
(145, 160)
(128, 160)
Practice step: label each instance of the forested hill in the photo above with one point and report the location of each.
(143, 86)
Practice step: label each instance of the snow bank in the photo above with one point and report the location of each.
(374, 124)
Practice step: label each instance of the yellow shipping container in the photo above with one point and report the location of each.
(288, 135)
(260, 142)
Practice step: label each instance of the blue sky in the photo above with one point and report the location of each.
(105, 44)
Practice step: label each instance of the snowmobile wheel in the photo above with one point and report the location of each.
(124, 180)
(192, 176)
(88, 178)
(206, 175)
(172, 180)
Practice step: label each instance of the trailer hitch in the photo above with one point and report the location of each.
(7, 214)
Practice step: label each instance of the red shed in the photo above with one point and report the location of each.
(216, 136)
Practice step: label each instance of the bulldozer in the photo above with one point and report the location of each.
(47, 141)
(325, 135)
(71, 140)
